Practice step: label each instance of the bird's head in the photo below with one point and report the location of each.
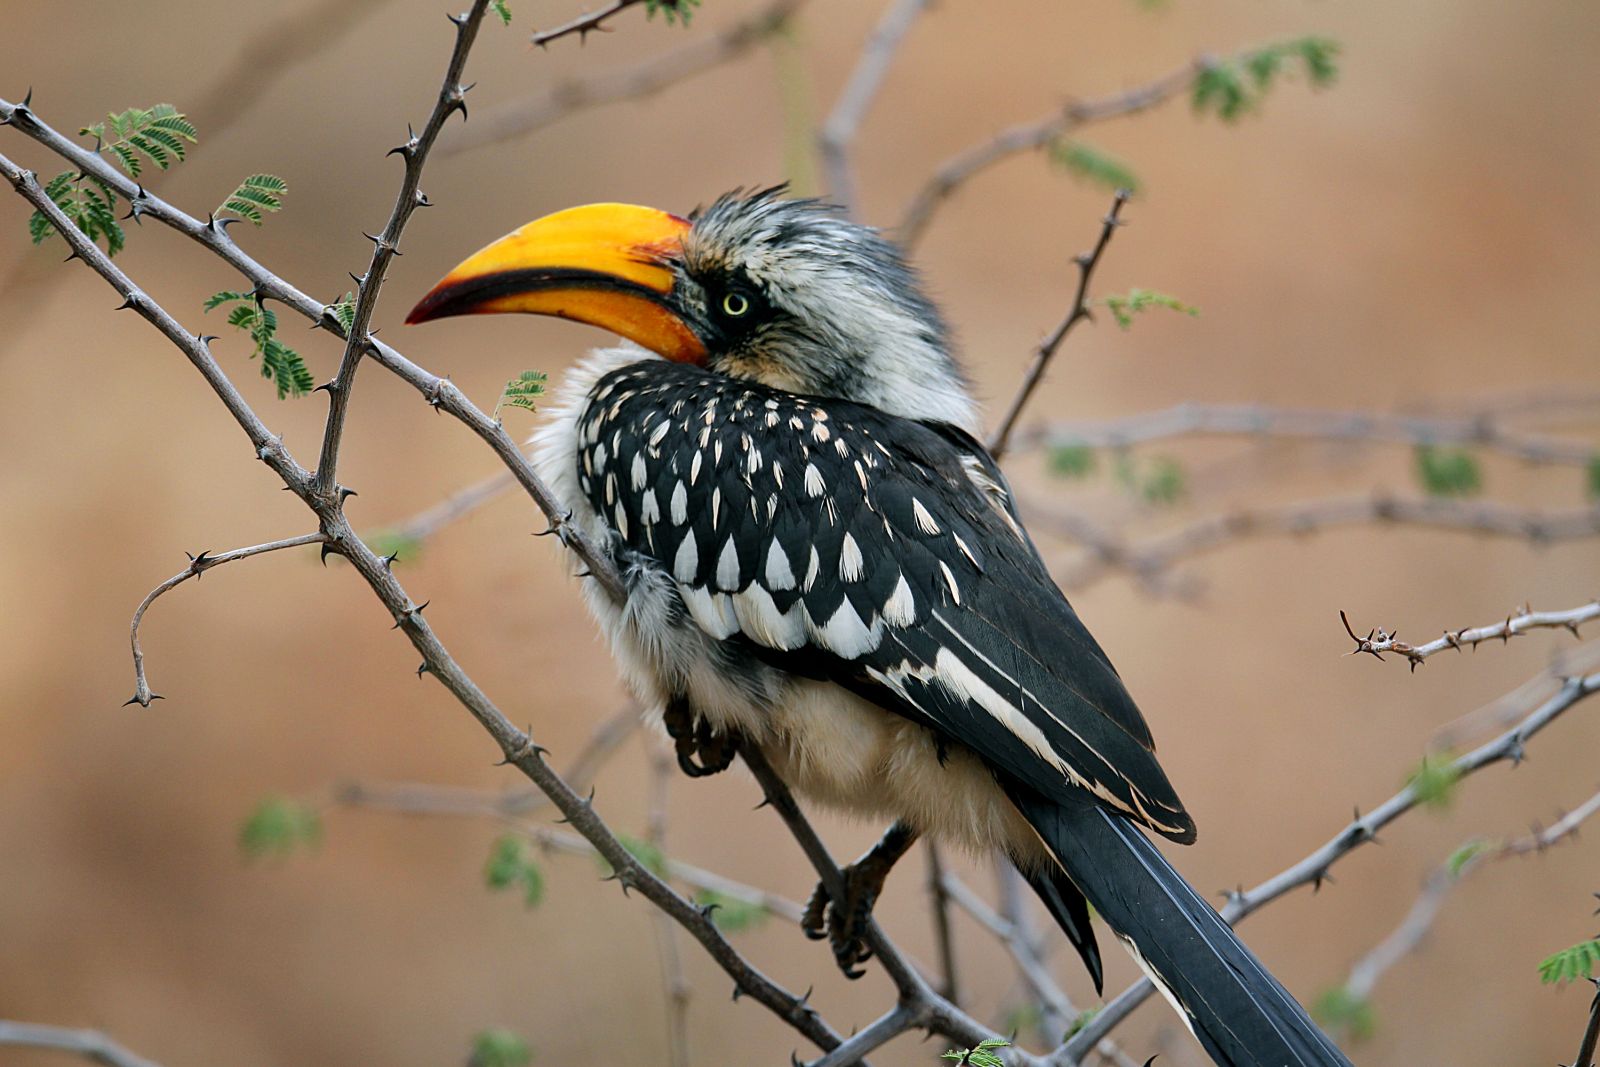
(781, 291)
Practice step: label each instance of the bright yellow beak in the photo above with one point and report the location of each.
(604, 264)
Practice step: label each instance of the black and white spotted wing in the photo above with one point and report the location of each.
(882, 553)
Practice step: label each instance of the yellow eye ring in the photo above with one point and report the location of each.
(735, 304)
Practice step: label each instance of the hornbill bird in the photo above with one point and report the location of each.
(821, 558)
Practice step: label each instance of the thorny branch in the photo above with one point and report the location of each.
(198, 565)
(584, 25)
(1591, 1033)
(452, 98)
(1379, 641)
(1086, 262)
(839, 130)
(632, 83)
(1314, 869)
(1413, 929)
(90, 1044)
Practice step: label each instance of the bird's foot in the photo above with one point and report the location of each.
(701, 750)
(844, 922)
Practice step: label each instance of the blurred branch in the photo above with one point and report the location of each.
(939, 904)
(198, 565)
(452, 98)
(424, 524)
(1520, 621)
(415, 799)
(675, 984)
(961, 168)
(1086, 262)
(441, 394)
(839, 130)
(90, 1044)
(1149, 558)
(1413, 929)
(1258, 420)
(277, 48)
(1314, 869)
(630, 83)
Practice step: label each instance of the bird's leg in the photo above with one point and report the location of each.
(844, 922)
(701, 750)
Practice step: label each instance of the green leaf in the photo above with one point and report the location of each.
(502, 9)
(1164, 481)
(1072, 461)
(1339, 1009)
(279, 826)
(1089, 163)
(1232, 87)
(1448, 472)
(981, 1055)
(1084, 1019)
(1593, 472)
(498, 1047)
(395, 543)
(511, 865)
(730, 914)
(1463, 856)
(1571, 964)
(521, 391)
(1138, 301)
(1434, 782)
(279, 362)
(160, 133)
(679, 11)
(88, 203)
(256, 194)
(345, 311)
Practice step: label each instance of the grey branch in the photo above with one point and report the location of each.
(441, 394)
(452, 98)
(1149, 558)
(675, 984)
(1032, 136)
(584, 25)
(90, 1044)
(1314, 869)
(1481, 430)
(1379, 641)
(198, 565)
(839, 130)
(1086, 262)
(1419, 920)
(631, 83)
(458, 505)
(1591, 1033)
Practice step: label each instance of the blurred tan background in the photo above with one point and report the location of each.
(1420, 237)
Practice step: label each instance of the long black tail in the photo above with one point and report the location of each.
(1239, 1012)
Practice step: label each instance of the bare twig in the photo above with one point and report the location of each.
(1482, 430)
(584, 25)
(675, 984)
(1149, 558)
(452, 98)
(1010, 927)
(630, 83)
(90, 1044)
(1379, 641)
(839, 130)
(441, 394)
(1413, 929)
(1031, 136)
(198, 565)
(1314, 869)
(1077, 312)
(1591, 1033)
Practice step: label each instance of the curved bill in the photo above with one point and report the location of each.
(604, 264)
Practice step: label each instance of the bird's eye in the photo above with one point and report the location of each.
(735, 304)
